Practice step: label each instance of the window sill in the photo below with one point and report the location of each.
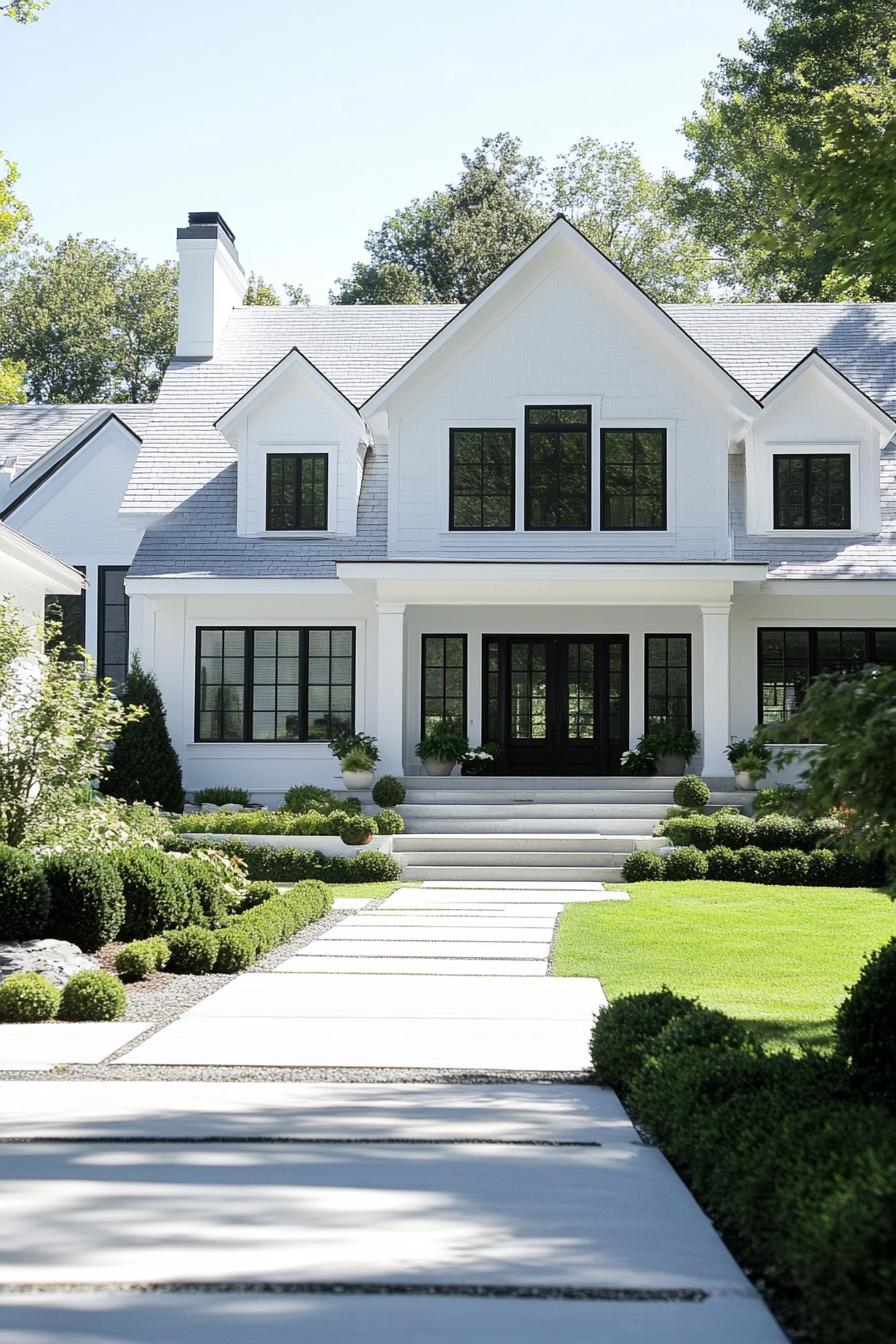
(293, 536)
(812, 532)
(593, 532)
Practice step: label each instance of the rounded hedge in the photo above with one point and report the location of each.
(236, 951)
(625, 1031)
(208, 889)
(691, 791)
(821, 868)
(256, 892)
(389, 792)
(866, 1026)
(371, 866)
(703, 1027)
(733, 829)
(24, 896)
(776, 831)
(157, 893)
(138, 959)
(358, 830)
(643, 865)
(790, 867)
(28, 997)
(686, 864)
(721, 863)
(86, 898)
(389, 822)
(194, 950)
(93, 996)
(752, 864)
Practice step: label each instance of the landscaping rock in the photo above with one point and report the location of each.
(50, 957)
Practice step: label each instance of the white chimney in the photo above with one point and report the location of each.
(211, 283)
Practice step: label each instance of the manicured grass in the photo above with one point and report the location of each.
(368, 891)
(778, 958)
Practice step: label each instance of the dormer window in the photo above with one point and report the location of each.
(811, 491)
(297, 492)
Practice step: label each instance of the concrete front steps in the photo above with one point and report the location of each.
(512, 829)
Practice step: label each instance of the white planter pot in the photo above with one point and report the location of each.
(437, 768)
(357, 779)
(671, 765)
(744, 780)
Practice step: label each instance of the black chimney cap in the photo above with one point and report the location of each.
(199, 217)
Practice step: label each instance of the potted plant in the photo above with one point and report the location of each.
(357, 754)
(749, 759)
(671, 746)
(441, 749)
(358, 830)
(480, 760)
(637, 761)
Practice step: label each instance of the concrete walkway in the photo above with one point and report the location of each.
(362, 1212)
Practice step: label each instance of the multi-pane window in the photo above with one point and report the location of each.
(112, 633)
(481, 479)
(558, 468)
(632, 480)
(68, 610)
(273, 685)
(811, 490)
(790, 658)
(668, 680)
(581, 686)
(297, 492)
(528, 690)
(444, 681)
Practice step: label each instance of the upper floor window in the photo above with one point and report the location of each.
(633, 480)
(297, 492)
(481, 479)
(558, 468)
(811, 490)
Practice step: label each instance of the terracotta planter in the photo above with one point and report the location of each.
(364, 841)
(671, 765)
(437, 768)
(357, 779)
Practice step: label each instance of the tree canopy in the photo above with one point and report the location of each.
(22, 11)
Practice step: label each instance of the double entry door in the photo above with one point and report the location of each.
(558, 703)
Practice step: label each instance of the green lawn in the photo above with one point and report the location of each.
(779, 958)
(368, 891)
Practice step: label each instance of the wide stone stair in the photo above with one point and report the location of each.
(511, 829)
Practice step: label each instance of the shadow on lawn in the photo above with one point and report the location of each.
(784, 1033)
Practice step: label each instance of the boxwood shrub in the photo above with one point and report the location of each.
(157, 893)
(389, 791)
(138, 959)
(312, 798)
(208, 890)
(93, 996)
(236, 950)
(28, 997)
(24, 896)
(86, 898)
(389, 822)
(691, 791)
(194, 950)
(753, 864)
(721, 864)
(268, 917)
(625, 1031)
(288, 864)
(866, 1026)
(283, 822)
(643, 865)
(685, 864)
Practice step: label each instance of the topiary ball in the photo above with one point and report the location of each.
(24, 896)
(389, 792)
(625, 1031)
(389, 822)
(790, 867)
(93, 996)
(821, 868)
(643, 865)
(236, 951)
(691, 791)
(686, 864)
(752, 864)
(866, 1026)
(138, 959)
(194, 950)
(721, 863)
(703, 1027)
(28, 997)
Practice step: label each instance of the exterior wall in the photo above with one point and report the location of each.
(559, 343)
(75, 514)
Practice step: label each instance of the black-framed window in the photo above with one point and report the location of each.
(297, 492)
(633, 480)
(811, 491)
(558, 468)
(481, 480)
(444, 671)
(112, 624)
(667, 680)
(70, 611)
(790, 657)
(274, 684)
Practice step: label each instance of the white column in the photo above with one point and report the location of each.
(390, 687)
(716, 684)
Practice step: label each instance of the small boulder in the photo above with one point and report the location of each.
(50, 957)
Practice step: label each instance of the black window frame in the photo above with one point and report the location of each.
(807, 462)
(558, 427)
(813, 660)
(488, 429)
(296, 459)
(690, 671)
(248, 656)
(101, 660)
(70, 598)
(424, 640)
(605, 524)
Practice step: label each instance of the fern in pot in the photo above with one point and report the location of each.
(441, 749)
(671, 746)
(357, 754)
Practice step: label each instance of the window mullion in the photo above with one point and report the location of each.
(303, 685)
(248, 682)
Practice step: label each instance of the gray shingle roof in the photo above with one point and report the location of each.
(27, 432)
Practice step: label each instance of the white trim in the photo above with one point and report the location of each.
(451, 570)
(41, 562)
(231, 418)
(816, 362)
(197, 585)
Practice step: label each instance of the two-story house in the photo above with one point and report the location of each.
(555, 515)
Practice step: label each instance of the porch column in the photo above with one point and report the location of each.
(716, 688)
(390, 687)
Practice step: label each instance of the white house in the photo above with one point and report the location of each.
(555, 514)
(29, 574)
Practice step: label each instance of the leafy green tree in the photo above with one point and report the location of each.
(90, 321)
(14, 214)
(12, 382)
(296, 295)
(23, 11)
(757, 145)
(144, 766)
(57, 726)
(259, 293)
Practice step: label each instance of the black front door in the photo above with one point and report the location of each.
(558, 704)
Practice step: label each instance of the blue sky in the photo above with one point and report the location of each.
(305, 124)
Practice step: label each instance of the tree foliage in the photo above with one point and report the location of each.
(57, 724)
(90, 321)
(773, 120)
(12, 382)
(144, 767)
(22, 11)
(259, 293)
(296, 294)
(14, 214)
(448, 246)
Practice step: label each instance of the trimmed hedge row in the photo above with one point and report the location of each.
(733, 830)
(784, 867)
(267, 823)
(791, 1159)
(89, 996)
(272, 863)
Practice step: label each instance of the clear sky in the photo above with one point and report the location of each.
(306, 123)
